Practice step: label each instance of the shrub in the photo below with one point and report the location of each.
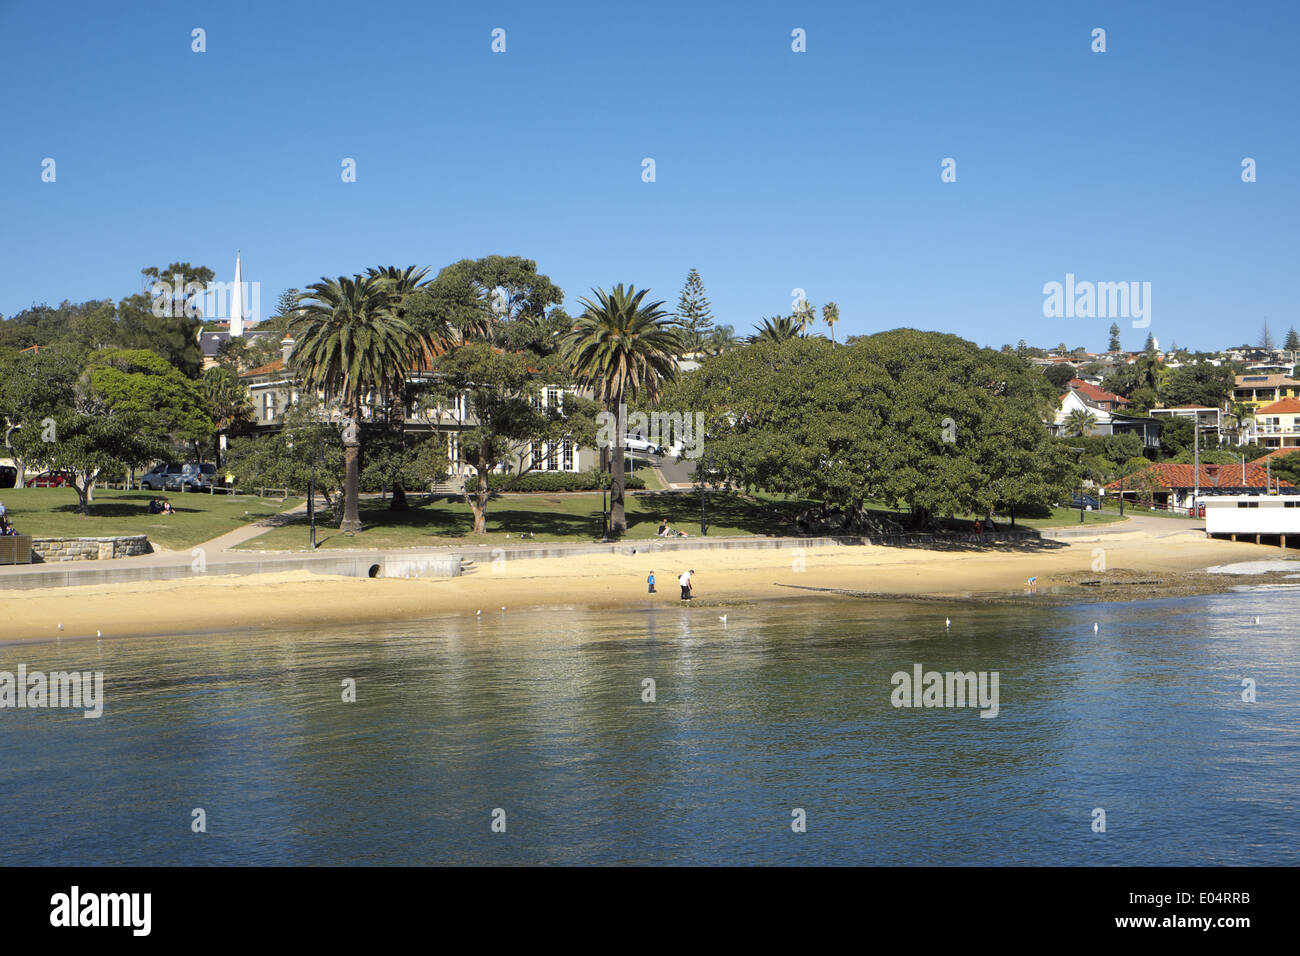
(552, 481)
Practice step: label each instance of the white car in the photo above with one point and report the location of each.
(641, 445)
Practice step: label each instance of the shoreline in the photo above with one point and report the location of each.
(1125, 566)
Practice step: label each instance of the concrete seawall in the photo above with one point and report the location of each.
(353, 564)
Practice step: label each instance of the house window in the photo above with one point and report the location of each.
(268, 406)
(566, 456)
(536, 453)
(555, 399)
(1291, 504)
(1247, 504)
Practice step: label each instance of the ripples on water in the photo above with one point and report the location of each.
(540, 713)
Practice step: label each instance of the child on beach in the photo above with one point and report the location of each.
(651, 581)
(685, 582)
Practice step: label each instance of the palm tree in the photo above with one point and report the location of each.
(353, 347)
(228, 402)
(780, 329)
(622, 348)
(721, 339)
(1079, 422)
(831, 315)
(400, 284)
(804, 315)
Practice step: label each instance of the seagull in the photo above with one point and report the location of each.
(1256, 620)
(1095, 627)
(723, 619)
(479, 612)
(947, 622)
(99, 634)
(60, 627)
(503, 607)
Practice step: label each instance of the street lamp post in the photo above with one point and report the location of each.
(1081, 453)
(604, 512)
(704, 523)
(311, 502)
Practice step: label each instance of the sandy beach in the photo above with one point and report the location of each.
(1136, 564)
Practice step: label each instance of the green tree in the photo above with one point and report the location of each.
(85, 445)
(694, 314)
(352, 347)
(1080, 422)
(34, 386)
(805, 314)
(1292, 343)
(722, 339)
(228, 404)
(623, 349)
(778, 329)
(477, 297)
(494, 398)
(1114, 344)
(1199, 383)
(831, 315)
(153, 393)
(1060, 375)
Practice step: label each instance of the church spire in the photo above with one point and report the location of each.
(237, 302)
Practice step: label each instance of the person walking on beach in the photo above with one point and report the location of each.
(651, 581)
(685, 582)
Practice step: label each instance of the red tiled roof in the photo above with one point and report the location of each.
(268, 369)
(1095, 393)
(1278, 453)
(1285, 406)
(1170, 475)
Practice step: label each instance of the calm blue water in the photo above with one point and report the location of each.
(540, 714)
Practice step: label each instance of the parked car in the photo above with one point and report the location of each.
(197, 476)
(1088, 502)
(158, 477)
(641, 445)
(51, 479)
(8, 476)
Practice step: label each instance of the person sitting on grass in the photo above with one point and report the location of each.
(155, 506)
(167, 507)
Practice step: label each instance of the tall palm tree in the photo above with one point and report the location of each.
(352, 346)
(1079, 422)
(831, 315)
(401, 283)
(622, 348)
(780, 329)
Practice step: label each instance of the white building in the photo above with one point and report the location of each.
(1257, 516)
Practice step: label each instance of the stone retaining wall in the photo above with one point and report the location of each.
(89, 549)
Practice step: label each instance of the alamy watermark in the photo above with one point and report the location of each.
(82, 690)
(950, 689)
(1098, 300)
(195, 300)
(681, 432)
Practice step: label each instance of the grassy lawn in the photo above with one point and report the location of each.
(547, 517)
(574, 518)
(52, 513)
(1064, 518)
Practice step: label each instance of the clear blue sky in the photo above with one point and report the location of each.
(775, 170)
